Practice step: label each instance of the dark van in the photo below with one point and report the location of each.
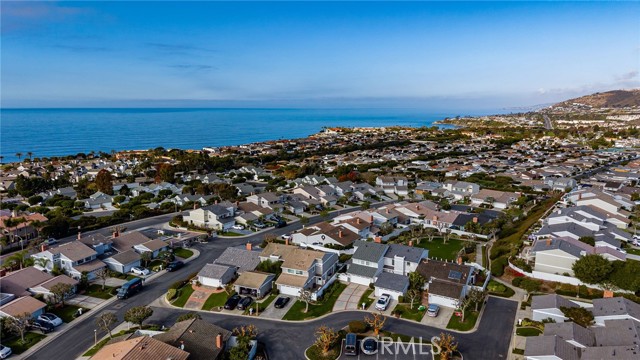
(131, 287)
(351, 345)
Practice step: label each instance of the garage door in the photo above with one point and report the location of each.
(359, 280)
(441, 300)
(394, 294)
(289, 290)
(209, 282)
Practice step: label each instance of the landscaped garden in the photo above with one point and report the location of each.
(366, 299)
(528, 331)
(318, 308)
(470, 318)
(183, 253)
(407, 312)
(183, 295)
(439, 250)
(499, 289)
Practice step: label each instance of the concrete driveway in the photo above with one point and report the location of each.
(441, 321)
(350, 297)
(272, 313)
(87, 302)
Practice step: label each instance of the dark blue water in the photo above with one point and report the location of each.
(58, 132)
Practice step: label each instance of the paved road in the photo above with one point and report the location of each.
(547, 122)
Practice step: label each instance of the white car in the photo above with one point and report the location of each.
(51, 319)
(137, 270)
(383, 302)
(237, 227)
(5, 351)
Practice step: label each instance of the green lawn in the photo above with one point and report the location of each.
(633, 251)
(470, 319)
(16, 345)
(67, 313)
(320, 308)
(215, 300)
(526, 331)
(406, 312)
(229, 233)
(95, 290)
(261, 305)
(183, 253)
(366, 299)
(183, 296)
(439, 250)
(499, 289)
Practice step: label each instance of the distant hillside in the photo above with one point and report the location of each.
(609, 99)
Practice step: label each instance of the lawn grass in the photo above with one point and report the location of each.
(527, 331)
(16, 345)
(439, 250)
(261, 305)
(215, 300)
(499, 289)
(67, 313)
(229, 233)
(406, 312)
(95, 290)
(320, 308)
(366, 299)
(183, 296)
(183, 253)
(632, 251)
(470, 318)
(315, 353)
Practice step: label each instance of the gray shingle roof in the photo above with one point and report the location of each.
(550, 301)
(571, 331)
(559, 243)
(618, 332)
(550, 346)
(611, 352)
(242, 259)
(361, 270)
(393, 282)
(409, 253)
(369, 251)
(215, 271)
(615, 306)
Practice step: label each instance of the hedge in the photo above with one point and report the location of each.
(498, 265)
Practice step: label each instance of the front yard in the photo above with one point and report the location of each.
(407, 312)
(366, 299)
(215, 300)
(439, 250)
(183, 253)
(470, 318)
(67, 313)
(319, 308)
(95, 290)
(18, 347)
(262, 305)
(184, 293)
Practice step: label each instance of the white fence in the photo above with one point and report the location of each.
(550, 277)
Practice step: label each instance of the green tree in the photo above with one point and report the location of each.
(104, 182)
(165, 172)
(146, 258)
(189, 316)
(60, 291)
(138, 315)
(19, 324)
(578, 315)
(590, 240)
(416, 281)
(592, 269)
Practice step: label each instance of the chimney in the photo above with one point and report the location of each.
(286, 241)
(340, 233)
(580, 196)
(249, 246)
(548, 242)
(115, 233)
(43, 247)
(79, 235)
(475, 220)
(358, 221)
(607, 294)
(459, 260)
(216, 202)
(411, 243)
(435, 218)
(417, 207)
(195, 205)
(371, 221)
(377, 239)
(387, 210)
(219, 341)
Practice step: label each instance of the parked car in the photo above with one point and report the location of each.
(351, 345)
(281, 302)
(232, 302)
(281, 224)
(51, 241)
(383, 302)
(139, 270)
(43, 326)
(433, 310)
(286, 236)
(237, 227)
(5, 351)
(259, 225)
(50, 318)
(174, 265)
(245, 303)
(369, 346)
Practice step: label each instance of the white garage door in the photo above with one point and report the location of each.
(289, 290)
(441, 300)
(394, 294)
(209, 282)
(359, 280)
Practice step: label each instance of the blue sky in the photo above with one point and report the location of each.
(303, 54)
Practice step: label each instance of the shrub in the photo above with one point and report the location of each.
(499, 250)
(497, 287)
(177, 285)
(498, 265)
(400, 299)
(358, 327)
(516, 281)
(521, 264)
(171, 294)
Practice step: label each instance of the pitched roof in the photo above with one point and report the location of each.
(140, 348)
(21, 305)
(617, 332)
(74, 250)
(154, 245)
(409, 253)
(274, 249)
(291, 280)
(575, 248)
(571, 331)
(550, 346)
(126, 257)
(446, 289)
(369, 251)
(126, 241)
(301, 259)
(197, 336)
(90, 266)
(443, 271)
(216, 271)
(19, 281)
(625, 352)
(361, 270)
(392, 281)
(57, 280)
(253, 279)
(615, 306)
(242, 259)
(550, 301)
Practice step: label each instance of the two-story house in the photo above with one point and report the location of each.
(367, 262)
(211, 217)
(460, 189)
(74, 258)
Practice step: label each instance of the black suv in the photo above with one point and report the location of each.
(174, 265)
(232, 302)
(282, 302)
(43, 326)
(281, 224)
(245, 303)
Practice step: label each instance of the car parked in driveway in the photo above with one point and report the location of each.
(232, 302)
(174, 265)
(433, 310)
(237, 227)
(50, 318)
(281, 302)
(383, 302)
(5, 351)
(44, 326)
(281, 224)
(139, 270)
(245, 303)
(51, 241)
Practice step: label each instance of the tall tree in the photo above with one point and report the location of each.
(325, 338)
(413, 295)
(447, 344)
(102, 275)
(20, 324)
(376, 321)
(104, 182)
(61, 290)
(305, 295)
(29, 154)
(165, 172)
(105, 321)
(18, 155)
(592, 268)
(477, 296)
(138, 315)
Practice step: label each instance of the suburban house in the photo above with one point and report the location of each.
(138, 242)
(495, 198)
(211, 217)
(24, 229)
(240, 259)
(74, 258)
(366, 263)
(325, 234)
(266, 200)
(402, 260)
(363, 228)
(302, 269)
(201, 339)
(21, 305)
(587, 216)
(600, 200)
(393, 185)
(215, 275)
(459, 190)
(393, 284)
(254, 283)
(124, 261)
(617, 308)
(141, 347)
(447, 283)
(98, 242)
(98, 200)
(548, 307)
(31, 281)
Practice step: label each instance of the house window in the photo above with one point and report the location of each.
(366, 263)
(298, 272)
(290, 271)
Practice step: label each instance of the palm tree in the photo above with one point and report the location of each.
(29, 154)
(1, 159)
(18, 155)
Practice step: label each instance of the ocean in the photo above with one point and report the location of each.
(60, 132)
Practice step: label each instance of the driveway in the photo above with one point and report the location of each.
(350, 297)
(441, 321)
(272, 313)
(199, 297)
(87, 302)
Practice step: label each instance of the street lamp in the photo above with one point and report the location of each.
(95, 337)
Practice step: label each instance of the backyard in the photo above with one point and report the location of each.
(319, 308)
(439, 250)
